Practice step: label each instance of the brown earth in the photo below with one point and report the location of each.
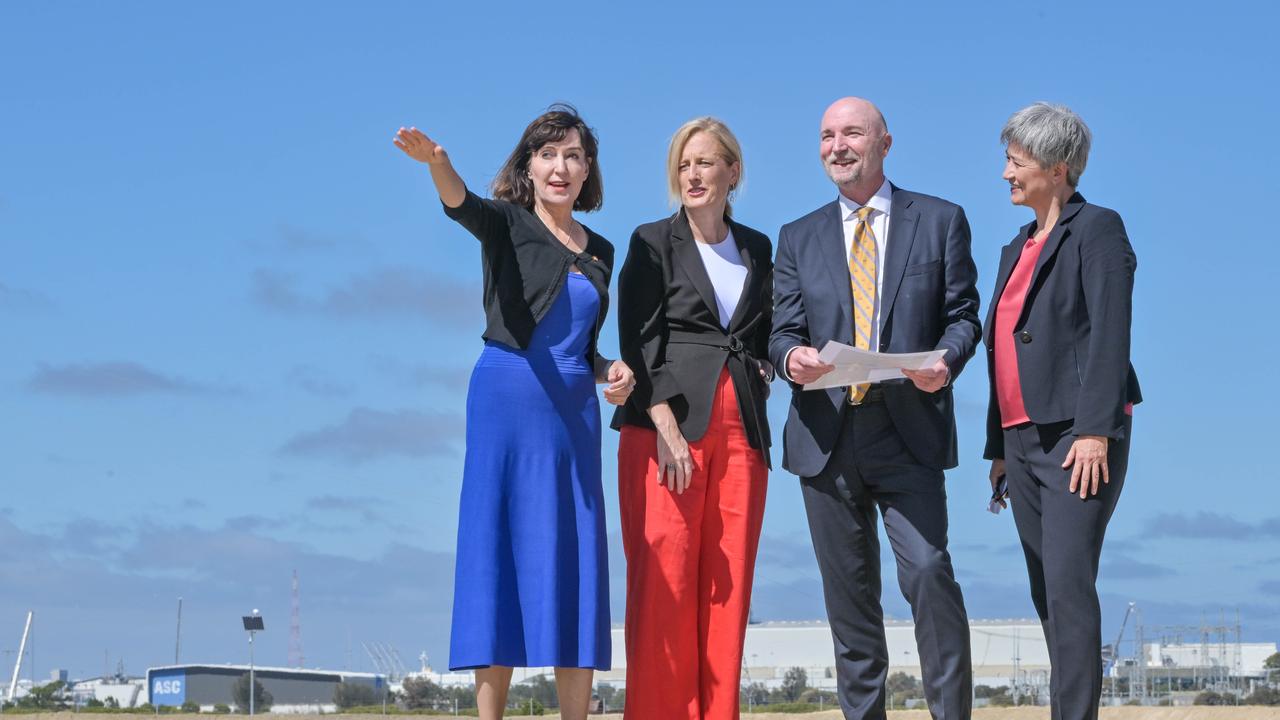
(1025, 713)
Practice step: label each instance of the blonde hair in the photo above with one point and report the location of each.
(730, 150)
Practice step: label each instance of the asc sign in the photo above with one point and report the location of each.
(168, 689)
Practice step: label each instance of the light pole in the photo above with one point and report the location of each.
(252, 624)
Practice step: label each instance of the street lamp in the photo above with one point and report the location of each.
(252, 624)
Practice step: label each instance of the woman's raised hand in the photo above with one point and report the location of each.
(418, 146)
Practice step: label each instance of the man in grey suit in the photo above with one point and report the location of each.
(888, 270)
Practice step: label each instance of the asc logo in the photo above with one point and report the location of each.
(167, 687)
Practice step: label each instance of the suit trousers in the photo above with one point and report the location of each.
(690, 562)
(872, 470)
(1062, 540)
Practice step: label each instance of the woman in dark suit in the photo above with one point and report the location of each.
(694, 312)
(1062, 388)
(531, 583)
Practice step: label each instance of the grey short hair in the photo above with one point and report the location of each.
(1050, 134)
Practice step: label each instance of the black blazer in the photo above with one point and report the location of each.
(929, 301)
(1072, 338)
(670, 333)
(525, 268)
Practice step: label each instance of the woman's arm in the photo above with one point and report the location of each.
(482, 218)
(418, 146)
(642, 323)
(642, 336)
(1107, 265)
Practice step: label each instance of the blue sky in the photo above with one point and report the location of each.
(237, 329)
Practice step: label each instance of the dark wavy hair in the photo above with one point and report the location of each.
(513, 183)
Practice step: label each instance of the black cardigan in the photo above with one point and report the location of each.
(525, 268)
(670, 333)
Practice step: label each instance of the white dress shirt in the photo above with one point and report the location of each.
(881, 202)
(727, 272)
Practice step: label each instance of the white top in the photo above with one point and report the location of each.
(727, 272)
(881, 202)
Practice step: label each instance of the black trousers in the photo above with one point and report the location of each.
(872, 471)
(1062, 541)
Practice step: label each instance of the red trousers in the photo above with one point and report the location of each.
(690, 561)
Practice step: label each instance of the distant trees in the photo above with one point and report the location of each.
(794, 684)
(262, 699)
(611, 698)
(540, 689)
(45, 697)
(754, 694)
(901, 687)
(421, 694)
(1209, 697)
(1264, 696)
(995, 696)
(353, 694)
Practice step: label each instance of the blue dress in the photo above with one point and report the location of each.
(531, 581)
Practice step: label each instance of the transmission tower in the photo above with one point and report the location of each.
(296, 658)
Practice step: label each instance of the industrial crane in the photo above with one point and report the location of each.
(1111, 653)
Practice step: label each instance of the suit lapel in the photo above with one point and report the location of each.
(832, 253)
(689, 260)
(902, 234)
(1008, 258)
(1051, 245)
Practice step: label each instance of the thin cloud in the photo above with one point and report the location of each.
(1119, 566)
(314, 382)
(294, 241)
(400, 591)
(367, 509)
(422, 374)
(111, 379)
(1210, 526)
(392, 292)
(368, 434)
(298, 240)
(13, 298)
(274, 290)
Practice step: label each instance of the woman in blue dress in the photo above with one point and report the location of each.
(531, 582)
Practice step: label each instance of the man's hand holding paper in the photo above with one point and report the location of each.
(853, 366)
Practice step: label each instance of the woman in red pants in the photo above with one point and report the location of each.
(695, 306)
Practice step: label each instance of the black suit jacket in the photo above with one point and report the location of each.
(929, 301)
(670, 333)
(1072, 339)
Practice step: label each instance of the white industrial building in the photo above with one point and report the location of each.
(1237, 659)
(1002, 650)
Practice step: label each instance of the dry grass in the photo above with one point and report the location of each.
(1024, 713)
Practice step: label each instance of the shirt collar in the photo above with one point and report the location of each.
(881, 202)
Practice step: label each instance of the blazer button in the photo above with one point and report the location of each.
(1026, 337)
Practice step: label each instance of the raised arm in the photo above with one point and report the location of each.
(418, 146)
(482, 218)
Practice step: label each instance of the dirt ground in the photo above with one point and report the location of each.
(1025, 713)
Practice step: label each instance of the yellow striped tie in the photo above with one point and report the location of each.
(862, 275)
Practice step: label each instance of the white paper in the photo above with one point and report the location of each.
(855, 366)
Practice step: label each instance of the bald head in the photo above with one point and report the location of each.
(863, 109)
(855, 141)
